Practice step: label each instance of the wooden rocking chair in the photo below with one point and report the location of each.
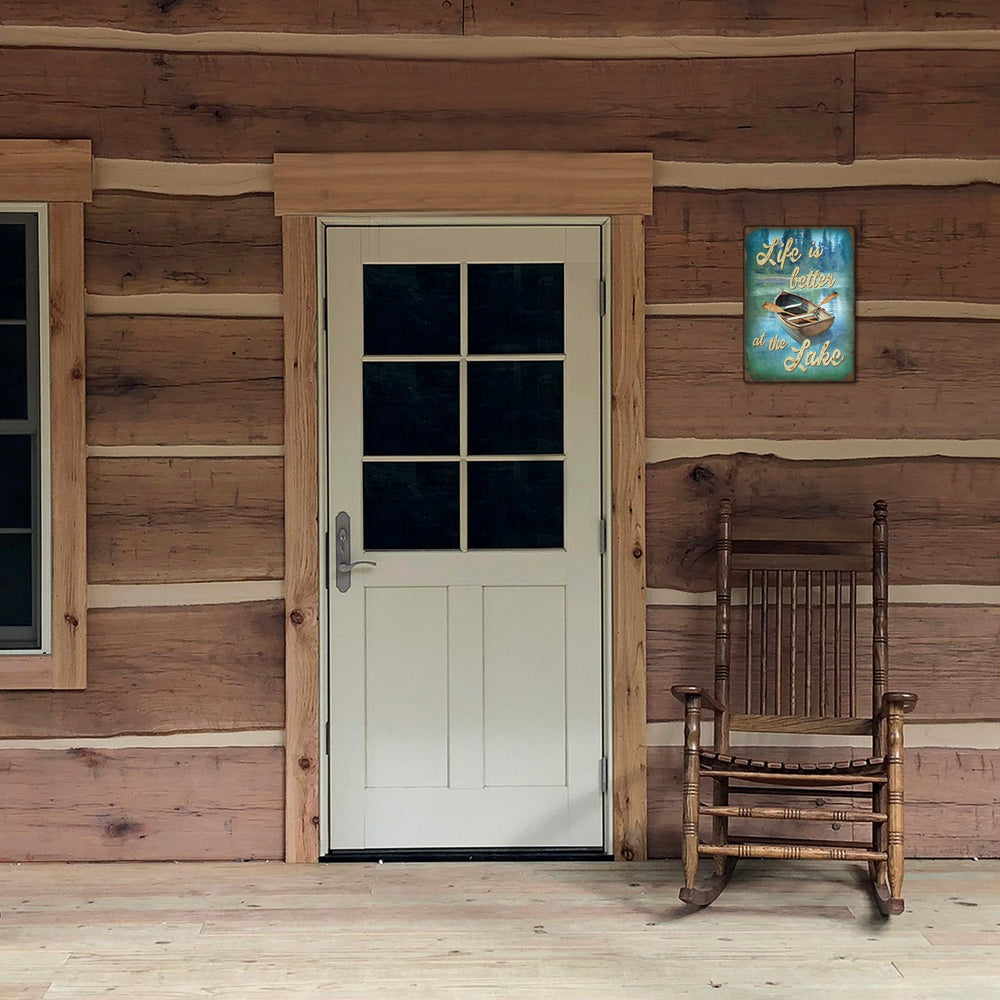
(797, 672)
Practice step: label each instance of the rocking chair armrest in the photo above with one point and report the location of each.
(907, 701)
(683, 691)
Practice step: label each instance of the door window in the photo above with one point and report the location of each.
(463, 402)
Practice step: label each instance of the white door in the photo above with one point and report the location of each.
(465, 465)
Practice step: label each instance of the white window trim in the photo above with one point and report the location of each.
(41, 211)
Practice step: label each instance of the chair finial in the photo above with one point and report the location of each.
(881, 510)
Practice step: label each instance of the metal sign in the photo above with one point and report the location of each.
(798, 304)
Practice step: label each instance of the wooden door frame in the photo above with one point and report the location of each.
(515, 183)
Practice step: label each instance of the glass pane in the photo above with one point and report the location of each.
(515, 407)
(411, 505)
(16, 586)
(411, 407)
(15, 481)
(13, 373)
(12, 272)
(412, 308)
(515, 505)
(516, 308)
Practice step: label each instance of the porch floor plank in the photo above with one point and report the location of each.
(230, 931)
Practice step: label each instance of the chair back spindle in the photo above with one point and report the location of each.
(786, 645)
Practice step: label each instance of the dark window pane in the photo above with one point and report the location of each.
(515, 407)
(411, 407)
(12, 272)
(15, 481)
(515, 308)
(412, 308)
(13, 373)
(411, 505)
(515, 505)
(16, 586)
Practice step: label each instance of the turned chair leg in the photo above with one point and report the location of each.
(888, 875)
(894, 769)
(692, 783)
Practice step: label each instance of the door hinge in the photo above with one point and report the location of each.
(603, 540)
(603, 296)
(327, 736)
(604, 775)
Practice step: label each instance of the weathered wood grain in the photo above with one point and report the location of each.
(177, 520)
(301, 527)
(951, 808)
(45, 170)
(141, 805)
(146, 243)
(942, 103)
(946, 654)
(504, 182)
(722, 17)
(326, 16)
(246, 107)
(628, 538)
(165, 670)
(941, 511)
(916, 379)
(912, 243)
(162, 380)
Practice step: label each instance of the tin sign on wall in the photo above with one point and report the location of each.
(798, 304)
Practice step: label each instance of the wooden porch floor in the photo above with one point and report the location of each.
(255, 930)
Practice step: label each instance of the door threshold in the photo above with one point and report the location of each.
(519, 854)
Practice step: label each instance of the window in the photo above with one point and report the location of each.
(25, 589)
(43, 572)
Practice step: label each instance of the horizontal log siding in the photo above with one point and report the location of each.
(143, 243)
(927, 103)
(940, 510)
(721, 17)
(215, 668)
(912, 243)
(325, 16)
(141, 805)
(162, 380)
(915, 379)
(951, 804)
(246, 107)
(948, 654)
(180, 520)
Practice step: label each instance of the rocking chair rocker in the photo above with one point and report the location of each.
(798, 673)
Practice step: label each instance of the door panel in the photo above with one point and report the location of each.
(525, 708)
(464, 428)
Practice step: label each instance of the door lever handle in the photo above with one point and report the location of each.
(347, 567)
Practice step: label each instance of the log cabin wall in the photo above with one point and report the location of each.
(827, 113)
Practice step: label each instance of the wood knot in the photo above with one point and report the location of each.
(305, 763)
(77, 373)
(296, 617)
(628, 854)
(701, 474)
(637, 552)
(315, 821)
(72, 621)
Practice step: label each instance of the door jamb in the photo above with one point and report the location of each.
(463, 183)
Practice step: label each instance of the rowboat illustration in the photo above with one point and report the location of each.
(801, 317)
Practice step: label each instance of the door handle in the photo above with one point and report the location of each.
(343, 563)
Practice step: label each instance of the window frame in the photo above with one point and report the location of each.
(36, 323)
(54, 178)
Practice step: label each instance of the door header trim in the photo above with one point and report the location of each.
(527, 182)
